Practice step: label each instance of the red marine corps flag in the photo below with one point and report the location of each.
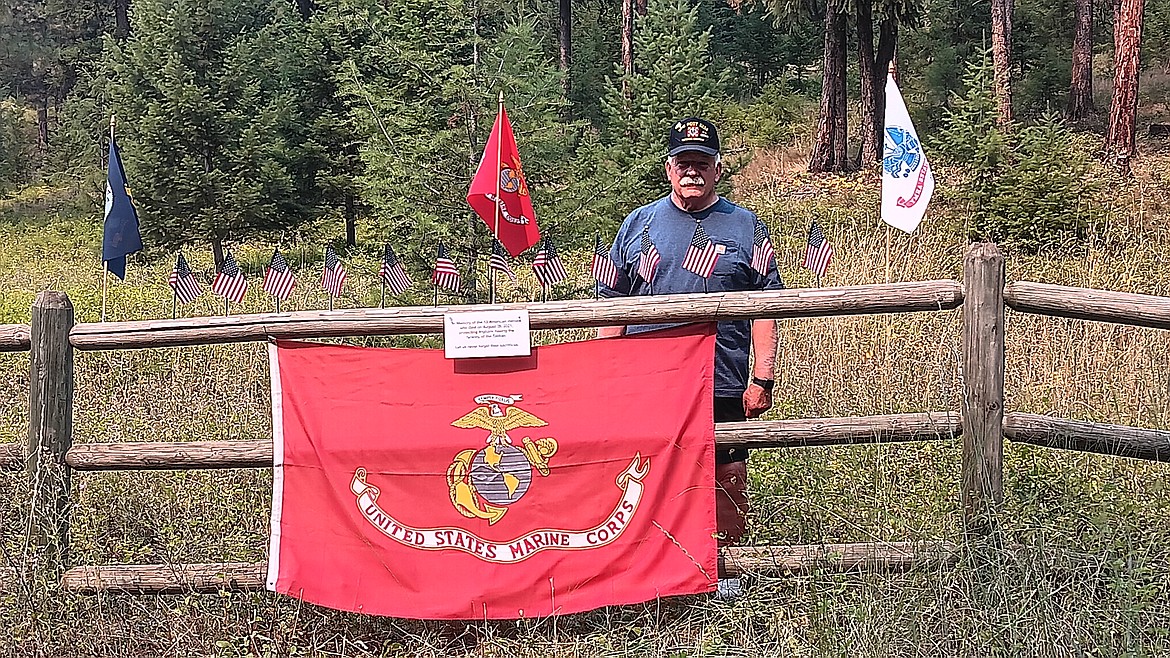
(496, 489)
(499, 192)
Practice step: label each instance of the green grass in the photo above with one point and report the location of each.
(1080, 567)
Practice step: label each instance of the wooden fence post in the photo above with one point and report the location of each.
(983, 374)
(50, 422)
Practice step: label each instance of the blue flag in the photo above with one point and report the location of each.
(121, 232)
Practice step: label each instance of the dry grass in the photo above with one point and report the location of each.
(1079, 569)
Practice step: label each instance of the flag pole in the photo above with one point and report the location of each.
(105, 279)
(227, 306)
(105, 263)
(436, 287)
(174, 304)
(818, 280)
(278, 304)
(499, 159)
(383, 302)
(330, 301)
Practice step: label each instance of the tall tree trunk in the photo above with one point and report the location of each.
(1120, 141)
(305, 8)
(217, 252)
(872, 66)
(868, 75)
(830, 150)
(628, 36)
(121, 19)
(43, 124)
(350, 219)
(565, 34)
(1080, 93)
(1001, 53)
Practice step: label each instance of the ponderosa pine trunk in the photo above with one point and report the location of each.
(1121, 138)
(1001, 54)
(565, 36)
(628, 36)
(121, 19)
(872, 66)
(1080, 93)
(830, 152)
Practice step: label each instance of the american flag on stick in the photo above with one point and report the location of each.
(603, 268)
(547, 267)
(446, 275)
(499, 260)
(183, 282)
(762, 252)
(333, 275)
(648, 260)
(278, 278)
(701, 255)
(230, 282)
(393, 273)
(819, 252)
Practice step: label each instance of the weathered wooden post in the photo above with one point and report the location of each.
(50, 422)
(983, 374)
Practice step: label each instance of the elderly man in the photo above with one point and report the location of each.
(693, 167)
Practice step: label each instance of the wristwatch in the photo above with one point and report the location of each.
(765, 384)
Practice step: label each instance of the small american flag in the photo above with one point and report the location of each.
(648, 261)
(762, 252)
(230, 282)
(547, 267)
(183, 282)
(701, 255)
(333, 276)
(278, 278)
(446, 275)
(819, 252)
(603, 268)
(499, 260)
(393, 273)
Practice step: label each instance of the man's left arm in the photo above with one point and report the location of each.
(765, 339)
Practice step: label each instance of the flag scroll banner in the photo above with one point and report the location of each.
(494, 492)
(500, 172)
(907, 181)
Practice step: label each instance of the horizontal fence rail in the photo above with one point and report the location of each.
(15, 337)
(1117, 440)
(908, 297)
(734, 560)
(752, 434)
(1088, 304)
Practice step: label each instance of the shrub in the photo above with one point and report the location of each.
(1029, 189)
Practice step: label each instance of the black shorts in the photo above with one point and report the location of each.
(730, 410)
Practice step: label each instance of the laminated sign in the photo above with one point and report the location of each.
(410, 485)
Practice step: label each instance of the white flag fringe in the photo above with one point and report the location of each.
(907, 181)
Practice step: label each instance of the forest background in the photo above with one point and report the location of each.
(251, 125)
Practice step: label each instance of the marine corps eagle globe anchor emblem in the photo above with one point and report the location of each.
(484, 482)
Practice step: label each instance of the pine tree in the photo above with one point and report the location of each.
(218, 101)
(673, 78)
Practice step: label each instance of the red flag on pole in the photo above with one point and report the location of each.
(499, 488)
(499, 192)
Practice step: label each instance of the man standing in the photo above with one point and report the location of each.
(669, 224)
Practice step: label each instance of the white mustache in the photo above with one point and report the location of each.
(692, 180)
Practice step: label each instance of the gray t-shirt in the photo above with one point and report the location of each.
(732, 229)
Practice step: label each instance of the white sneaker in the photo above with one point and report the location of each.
(728, 589)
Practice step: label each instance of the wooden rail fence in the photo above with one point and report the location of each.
(982, 422)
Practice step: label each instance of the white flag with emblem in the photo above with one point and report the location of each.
(907, 181)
